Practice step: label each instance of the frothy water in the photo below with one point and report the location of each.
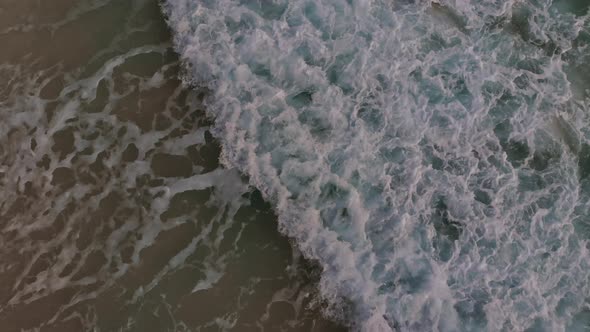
(115, 214)
(433, 157)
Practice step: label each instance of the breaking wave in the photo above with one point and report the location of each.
(433, 157)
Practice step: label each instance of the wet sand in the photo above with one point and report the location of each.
(115, 214)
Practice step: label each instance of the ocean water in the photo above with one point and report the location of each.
(432, 156)
(115, 214)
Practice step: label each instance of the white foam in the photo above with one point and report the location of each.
(407, 148)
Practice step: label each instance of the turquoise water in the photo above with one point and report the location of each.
(432, 157)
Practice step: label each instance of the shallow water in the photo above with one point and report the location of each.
(115, 214)
(432, 156)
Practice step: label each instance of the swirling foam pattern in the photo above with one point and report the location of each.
(432, 157)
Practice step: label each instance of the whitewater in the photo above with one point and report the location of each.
(432, 157)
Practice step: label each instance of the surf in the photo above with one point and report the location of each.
(431, 157)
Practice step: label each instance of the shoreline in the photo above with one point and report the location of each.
(117, 214)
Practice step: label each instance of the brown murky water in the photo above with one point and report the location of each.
(114, 212)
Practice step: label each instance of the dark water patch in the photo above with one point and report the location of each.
(443, 222)
(168, 165)
(584, 162)
(301, 99)
(576, 7)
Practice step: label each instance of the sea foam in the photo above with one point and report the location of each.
(432, 157)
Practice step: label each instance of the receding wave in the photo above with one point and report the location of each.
(433, 157)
